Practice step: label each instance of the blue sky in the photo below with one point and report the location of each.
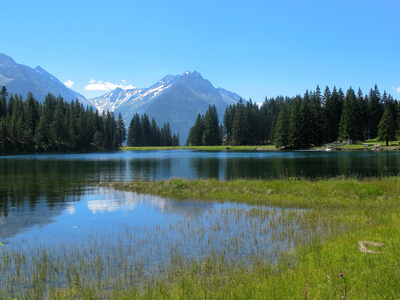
(253, 48)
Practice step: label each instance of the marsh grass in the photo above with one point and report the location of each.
(256, 251)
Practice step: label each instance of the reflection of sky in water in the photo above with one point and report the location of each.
(99, 209)
(155, 225)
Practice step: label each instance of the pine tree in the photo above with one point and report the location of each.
(239, 127)
(211, 135)
(228, 123)
(295, 134)
(269, 112)
(154, 133)
(375, 112)
(306, 123)
(3, 101)
(282, 128)
(175, 140)
(387, 127)
(195, 137)
(135, 132)
(57, 127)
(31, 118)
(253, 120)
(121, 130)
(316, 118)
(4, 135)
(41, 137)
(166, 135)
(98, 139)
(146, 132)
(351, 126)
(363, 103)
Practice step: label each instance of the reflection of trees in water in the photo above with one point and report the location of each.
(26, 181)
(37, 180)
(51, 181)
(149, 169)
(206, 167)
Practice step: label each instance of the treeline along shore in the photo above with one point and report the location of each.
(58, 125)
(302, 122)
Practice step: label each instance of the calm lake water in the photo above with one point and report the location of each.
(43, 189)
(48, 200)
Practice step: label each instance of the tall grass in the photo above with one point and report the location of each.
(259, 251)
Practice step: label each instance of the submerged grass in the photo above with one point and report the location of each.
(329, 219)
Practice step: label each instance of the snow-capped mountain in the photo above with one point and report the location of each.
(176, 100)
(130, 101)
(20, 79)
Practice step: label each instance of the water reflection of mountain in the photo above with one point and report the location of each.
(99, 200)
(23, 217)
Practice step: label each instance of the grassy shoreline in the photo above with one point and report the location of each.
(360, 146)
(352, 209)
(338, 214)
(203, 148)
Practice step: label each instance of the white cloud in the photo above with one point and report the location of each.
(106, 86)
(397, 89)
(69, 83)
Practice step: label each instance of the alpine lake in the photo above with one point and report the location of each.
(52, 210)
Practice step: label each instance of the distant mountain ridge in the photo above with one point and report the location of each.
(175, 99)
(20, 79)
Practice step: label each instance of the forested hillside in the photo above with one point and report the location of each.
(55, 125)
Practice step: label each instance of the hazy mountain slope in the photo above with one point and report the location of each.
(21, 79)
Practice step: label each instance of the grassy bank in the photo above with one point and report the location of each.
(331, 217)
(350, 211)
(203, 148)
(360, 146)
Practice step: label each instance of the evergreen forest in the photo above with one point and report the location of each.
(55, 125)
(143, 133)
(298, 122)
(302, 122)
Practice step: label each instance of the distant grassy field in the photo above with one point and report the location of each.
(202, 148)
(367, 145)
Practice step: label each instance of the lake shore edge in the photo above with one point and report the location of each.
(365, 210)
